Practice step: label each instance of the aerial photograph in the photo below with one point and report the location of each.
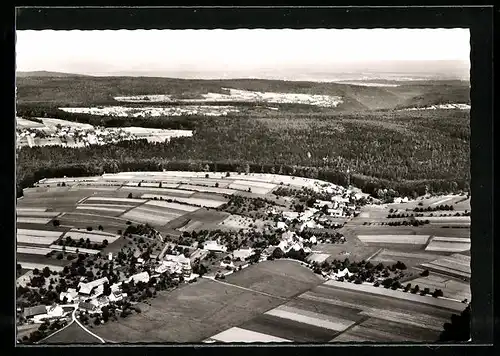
(243, 186)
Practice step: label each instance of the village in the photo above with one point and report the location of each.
(47, 132)
(111, 284)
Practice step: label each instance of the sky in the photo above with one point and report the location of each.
(242, 52)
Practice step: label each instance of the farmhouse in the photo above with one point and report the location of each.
(227, 264)
(281, 226)
(214, 246)
(33, 311)
(243, 253)
(71, 294)
(339, 274)
(175, 264)
(311, 224)
(139, 277)
(91, 288)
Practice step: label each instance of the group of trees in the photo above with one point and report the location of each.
(406, 223)
(334, 237)
(253, 207)
(435, 208)
(81, 243)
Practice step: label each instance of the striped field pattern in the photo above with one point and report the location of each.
(31, 220)
(454, 265)
(209, 203)
(40, 237)
(34, 250)
(395, 239)
(448, 244)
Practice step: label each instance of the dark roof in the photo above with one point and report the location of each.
(85, 305)
(36, 310)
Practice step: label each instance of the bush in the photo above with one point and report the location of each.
(437, 293)
(89, 228)
(425, 273)
(60, 256)
(56, 222)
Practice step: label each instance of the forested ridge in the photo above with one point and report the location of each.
(403, 153)
(408, 151)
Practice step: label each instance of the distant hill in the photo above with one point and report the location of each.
(70, 89)
(44, 73)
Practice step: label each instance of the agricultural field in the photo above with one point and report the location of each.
(283, 278)
(73, 334)
(191, 313)
(456, 265)
(448, 244)
(409, 258)
(453, 288)
(395, 239)
(37, 237)
(343, 312)
(93, 236)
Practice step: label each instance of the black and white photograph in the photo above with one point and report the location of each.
(243, 186)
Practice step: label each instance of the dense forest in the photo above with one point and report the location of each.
(408, 151)
(408, 154)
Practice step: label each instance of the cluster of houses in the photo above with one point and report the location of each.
(123, 111)
(291, 241)
(71, 136)
(231, 95)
